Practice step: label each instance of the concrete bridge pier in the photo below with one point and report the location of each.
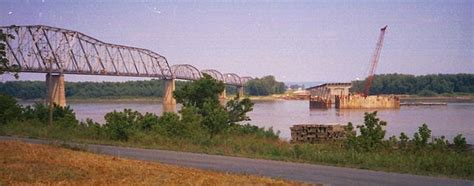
(55, 89)
(169, 103)
(223, 97)
(241, 91)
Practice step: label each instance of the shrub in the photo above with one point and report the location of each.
(170, 125)
(37, 111)
(120, 125)
(249, 129)
(238, 108)
(215, 118)
(371, 133)
(420, 138)
(40, 111)
(403, 140)
(147, 122)
(440, 143)
(351, 140)
(9, 109)
(460, 143)
(192, 120)
(92, 129)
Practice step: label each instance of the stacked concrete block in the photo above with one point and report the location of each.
(311, 133)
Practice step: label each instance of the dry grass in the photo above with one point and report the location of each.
(22, 163)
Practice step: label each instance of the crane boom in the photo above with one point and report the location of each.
(374, 60)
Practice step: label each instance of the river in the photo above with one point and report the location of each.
(448, 120)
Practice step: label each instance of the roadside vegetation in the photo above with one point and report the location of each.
(424, 85)
(26, 164)
(204, 125)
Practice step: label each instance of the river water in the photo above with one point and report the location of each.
(448, 120)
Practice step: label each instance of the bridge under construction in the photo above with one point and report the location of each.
(324, 95)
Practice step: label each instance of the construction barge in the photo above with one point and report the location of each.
(326, 95)
(322, 96)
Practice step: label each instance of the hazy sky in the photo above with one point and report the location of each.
(295, 41)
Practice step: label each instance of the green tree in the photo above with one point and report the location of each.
(171, 125)
(264, 86)
(420, 138)
(5, 65)
(121, 125)
(202, 96)
(216, 119)
(425, 85)
(9, 109)
(195, 94)
(371, 133)
(238, 110)
(404, 139)
(460, 144)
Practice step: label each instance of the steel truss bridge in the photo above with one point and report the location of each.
(41, 49)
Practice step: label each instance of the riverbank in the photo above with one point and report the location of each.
(24, 163)
(445, 99)
(252, 144)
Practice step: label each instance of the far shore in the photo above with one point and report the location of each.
(403, 98)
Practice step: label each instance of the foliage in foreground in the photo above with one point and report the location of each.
(5, 65)
(202, 96)
(372, 138)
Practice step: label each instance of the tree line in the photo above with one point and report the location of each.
(425, 85)
(147, 88)
(37, 89)
(264, 86)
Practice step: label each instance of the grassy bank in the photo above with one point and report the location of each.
(428, 161)
(41, 164)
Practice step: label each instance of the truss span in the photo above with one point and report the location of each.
(245, 79)
(186, 72)
(214, 74)
(232, 79)
(40, 48)
(34, 47)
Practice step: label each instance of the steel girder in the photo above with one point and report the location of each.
(34, 47)
(186, 72)
(232, 79)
